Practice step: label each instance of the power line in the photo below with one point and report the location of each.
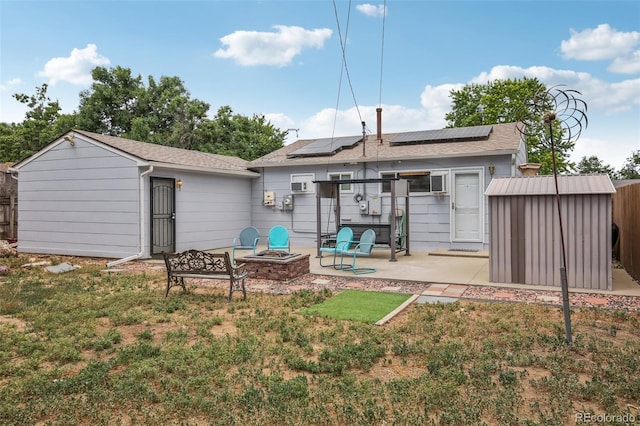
(384, 16)
(344, 55)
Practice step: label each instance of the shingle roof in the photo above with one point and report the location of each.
(173, 156)
(545, 185)
(504, 139)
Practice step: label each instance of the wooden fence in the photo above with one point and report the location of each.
(8, 217)
(626, 203)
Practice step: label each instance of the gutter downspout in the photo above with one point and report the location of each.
(142, 227)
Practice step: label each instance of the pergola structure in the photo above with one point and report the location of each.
(331, 189)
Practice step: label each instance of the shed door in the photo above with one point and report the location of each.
(163, 216)
(466, 207)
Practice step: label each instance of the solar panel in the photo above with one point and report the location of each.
(442, 135)
(326, 146)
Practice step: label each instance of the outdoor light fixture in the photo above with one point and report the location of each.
(179, 184)
(492, 169)
(69, 138)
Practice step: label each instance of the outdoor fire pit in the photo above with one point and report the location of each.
(276, 265)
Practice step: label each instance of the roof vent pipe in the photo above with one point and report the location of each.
(379, 123)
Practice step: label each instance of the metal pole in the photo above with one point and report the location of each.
(563, 266)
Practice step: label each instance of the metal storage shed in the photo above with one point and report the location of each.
(524, 231)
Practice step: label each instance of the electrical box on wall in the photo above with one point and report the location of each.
(269, 198)
(287, 202)
(364, 207)
(375, 206)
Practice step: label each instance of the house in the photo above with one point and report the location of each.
(87, 194)
(448, 171)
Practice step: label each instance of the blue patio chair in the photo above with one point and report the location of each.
(279, 238)
(247, 240)
(343, 242)
(363, 248)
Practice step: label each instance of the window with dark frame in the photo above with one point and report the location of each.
(419, 181)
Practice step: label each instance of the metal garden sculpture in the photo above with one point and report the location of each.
(553, 116)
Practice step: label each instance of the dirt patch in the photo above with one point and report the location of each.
(18, 323)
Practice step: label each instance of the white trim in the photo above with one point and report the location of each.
(339, 174)
(480, 171)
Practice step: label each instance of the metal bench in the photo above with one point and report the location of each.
(203, 265)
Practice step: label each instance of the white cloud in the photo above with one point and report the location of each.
(600, 43)
(372, 10)
(437, 103)
(610, 97)
(251, 48)
(76, 68)
(280, 120)
(10, 83)
(629, 64)
(605, 43)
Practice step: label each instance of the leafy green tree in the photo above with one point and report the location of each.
(167, 115)
(592, 164)
(111, 105)
(42, 124)
(506, 101)
(119, 104)
(234, 134)
(631, 169)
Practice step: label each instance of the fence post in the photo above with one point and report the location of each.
(12, 216)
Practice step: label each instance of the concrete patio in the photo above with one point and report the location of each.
(449, 268)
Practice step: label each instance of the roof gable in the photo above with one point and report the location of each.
(159, 155)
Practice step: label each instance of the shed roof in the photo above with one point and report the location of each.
(545, 185)
(502, 139)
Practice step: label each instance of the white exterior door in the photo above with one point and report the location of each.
(466, 206)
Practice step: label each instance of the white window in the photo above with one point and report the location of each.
(344, 187)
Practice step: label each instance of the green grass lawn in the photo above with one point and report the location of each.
(357, 305)
(88, 348)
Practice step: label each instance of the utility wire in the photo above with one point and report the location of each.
(384, 16)
(344, 55)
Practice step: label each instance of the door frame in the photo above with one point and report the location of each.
(481, 207)
(172, 185)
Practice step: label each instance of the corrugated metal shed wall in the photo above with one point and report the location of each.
(524, 234)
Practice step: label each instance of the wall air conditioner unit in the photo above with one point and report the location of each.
(300, 187)
(439, 183)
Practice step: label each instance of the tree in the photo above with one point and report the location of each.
(42, 124)
(234, 134)
(592, 164)
(631, 169)
(506, 101)
(119, 104)
(111, 104)
(167, 115)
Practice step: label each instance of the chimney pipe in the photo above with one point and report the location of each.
(379, 123)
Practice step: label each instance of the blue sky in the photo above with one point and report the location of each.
(283, 58)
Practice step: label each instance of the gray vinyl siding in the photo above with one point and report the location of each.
(430, 215)
(79, 200)
(210, 209)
